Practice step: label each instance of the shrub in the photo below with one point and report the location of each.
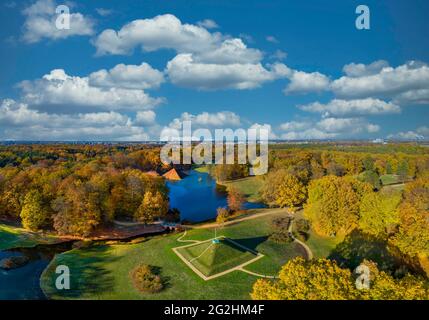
(146, 280)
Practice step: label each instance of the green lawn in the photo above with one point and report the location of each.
(102, 272)
(387, 179)
(212, 258)
(320, 246)
(249, 187)
(14, 237)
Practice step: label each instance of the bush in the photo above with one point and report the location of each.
(301, 229)
(146, 280)
(281, 232)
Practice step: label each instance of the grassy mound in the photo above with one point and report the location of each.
(212, 258)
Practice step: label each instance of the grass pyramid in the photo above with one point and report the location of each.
(212, 258)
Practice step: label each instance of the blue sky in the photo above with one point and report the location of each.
(129, 70)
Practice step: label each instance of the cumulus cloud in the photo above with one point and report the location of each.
(349, 125)
(58, 89)
(406, 135)
(303, 82)
(161, 32)
(208, 24)
(355, 70)
(184, 71)
(206, 120)
(204, 60)
(146, 117)
(421, 133)
(403, 84)
(339, 107)
(271, 133)
(19, 122)
(230, 51)
(328, 128)
(40, 22)
(127, 76)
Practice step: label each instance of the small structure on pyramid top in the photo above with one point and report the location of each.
(173, 174)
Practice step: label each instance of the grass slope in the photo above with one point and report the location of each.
(14, 237)
(102, 272)
(212, 258)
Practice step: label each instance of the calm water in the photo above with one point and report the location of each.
(23, 283)
(197, 199)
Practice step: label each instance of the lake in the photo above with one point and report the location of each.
(197, 199)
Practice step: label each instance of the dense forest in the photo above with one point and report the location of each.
(74, 189)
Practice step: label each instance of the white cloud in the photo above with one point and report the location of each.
(230, 51)
(184, 71)
(19, 122)
(146, 117)
(161, 32)
(303, 82)
(40, 22)
(360, 69)
(59, 89)
(347, 125)
(206, 120)
(127, 76)
(328, 128)
(423, 131)
(338, 107)
(271, 133)
(408, 135)
(295, 125)
(208, 24)
(271, 39)
(401, 84)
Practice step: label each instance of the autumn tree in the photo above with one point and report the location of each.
(307, 280)
(235, 199)
(34, 213)
(154, 205)
(413, 235)
(333, 204)
(323, 279)
(283, 189)
(379, 213)
(222, 216)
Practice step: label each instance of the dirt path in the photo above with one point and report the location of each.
(304, 245)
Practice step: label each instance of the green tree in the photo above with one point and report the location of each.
(403, 170)
(33, 214)
(371, 177)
